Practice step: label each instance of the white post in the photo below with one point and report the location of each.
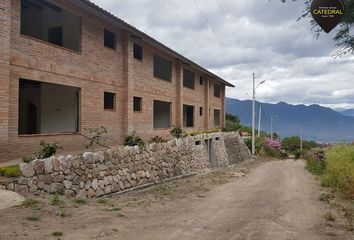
(301, 139)
(271, 127)
(253, 116)
(259, 120)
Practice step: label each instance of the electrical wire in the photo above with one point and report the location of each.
(227, 22)
(211, 28)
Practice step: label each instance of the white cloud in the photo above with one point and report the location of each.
(261, 36)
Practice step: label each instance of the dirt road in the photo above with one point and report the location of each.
(277, 200)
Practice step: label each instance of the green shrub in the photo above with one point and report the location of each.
(232, 123)
(133, 140)
(47, 150)
(10, 171)
(248, 143)
(176, 132)
(298, 153)
(315, 161)
(314, 166)
(28, 159)
(230, 126)
(270, 152)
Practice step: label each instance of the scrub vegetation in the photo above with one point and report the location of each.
(339, 169)
(10, 171)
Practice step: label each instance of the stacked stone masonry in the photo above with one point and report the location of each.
(94, 174)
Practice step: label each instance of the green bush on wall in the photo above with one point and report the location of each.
(47, 150)
(133, 140)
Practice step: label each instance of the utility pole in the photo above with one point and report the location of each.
(253, 116)
(259, 120)
(271, 127)
(301, 139)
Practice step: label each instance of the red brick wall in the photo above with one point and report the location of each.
(5, 24)
(95, 69)
(92, 70)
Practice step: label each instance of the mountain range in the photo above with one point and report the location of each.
(317, 123)
(346, 112)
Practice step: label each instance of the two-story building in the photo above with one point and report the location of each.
(67, 66)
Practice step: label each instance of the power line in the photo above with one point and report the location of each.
(227, 22)
(208, 23)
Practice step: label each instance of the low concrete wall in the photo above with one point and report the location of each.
(120, 168)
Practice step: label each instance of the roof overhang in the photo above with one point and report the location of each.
(107, 16)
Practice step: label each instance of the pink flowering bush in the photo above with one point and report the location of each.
(274, 144)
(267, 147)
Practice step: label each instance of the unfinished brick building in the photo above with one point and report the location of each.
(70, 66)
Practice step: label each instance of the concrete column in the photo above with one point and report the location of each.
(128, 81)
(179, 81)
(223, 109)
(5, 33)
(206, 102)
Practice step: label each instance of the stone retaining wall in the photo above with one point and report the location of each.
(120, 168)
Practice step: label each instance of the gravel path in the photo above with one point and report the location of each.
(277, 200)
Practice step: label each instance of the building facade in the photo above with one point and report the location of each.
(69, 66)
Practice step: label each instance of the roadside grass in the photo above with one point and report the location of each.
(102, 201)
(113, 209)
(329, 217)
(326, 197)
(30, 202)
(33, 218)
(80, 201)
(54, 200)
(314, 167)
(10, 171)
(336, 172)
(57, 234)
(349, 214)
(339, 171)
(63, 213)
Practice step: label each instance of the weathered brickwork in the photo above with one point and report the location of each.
(121, 168)
(94, 70)
(5, 26)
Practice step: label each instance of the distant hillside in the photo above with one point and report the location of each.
(318, 123)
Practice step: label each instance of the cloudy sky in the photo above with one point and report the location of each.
(248, 36)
